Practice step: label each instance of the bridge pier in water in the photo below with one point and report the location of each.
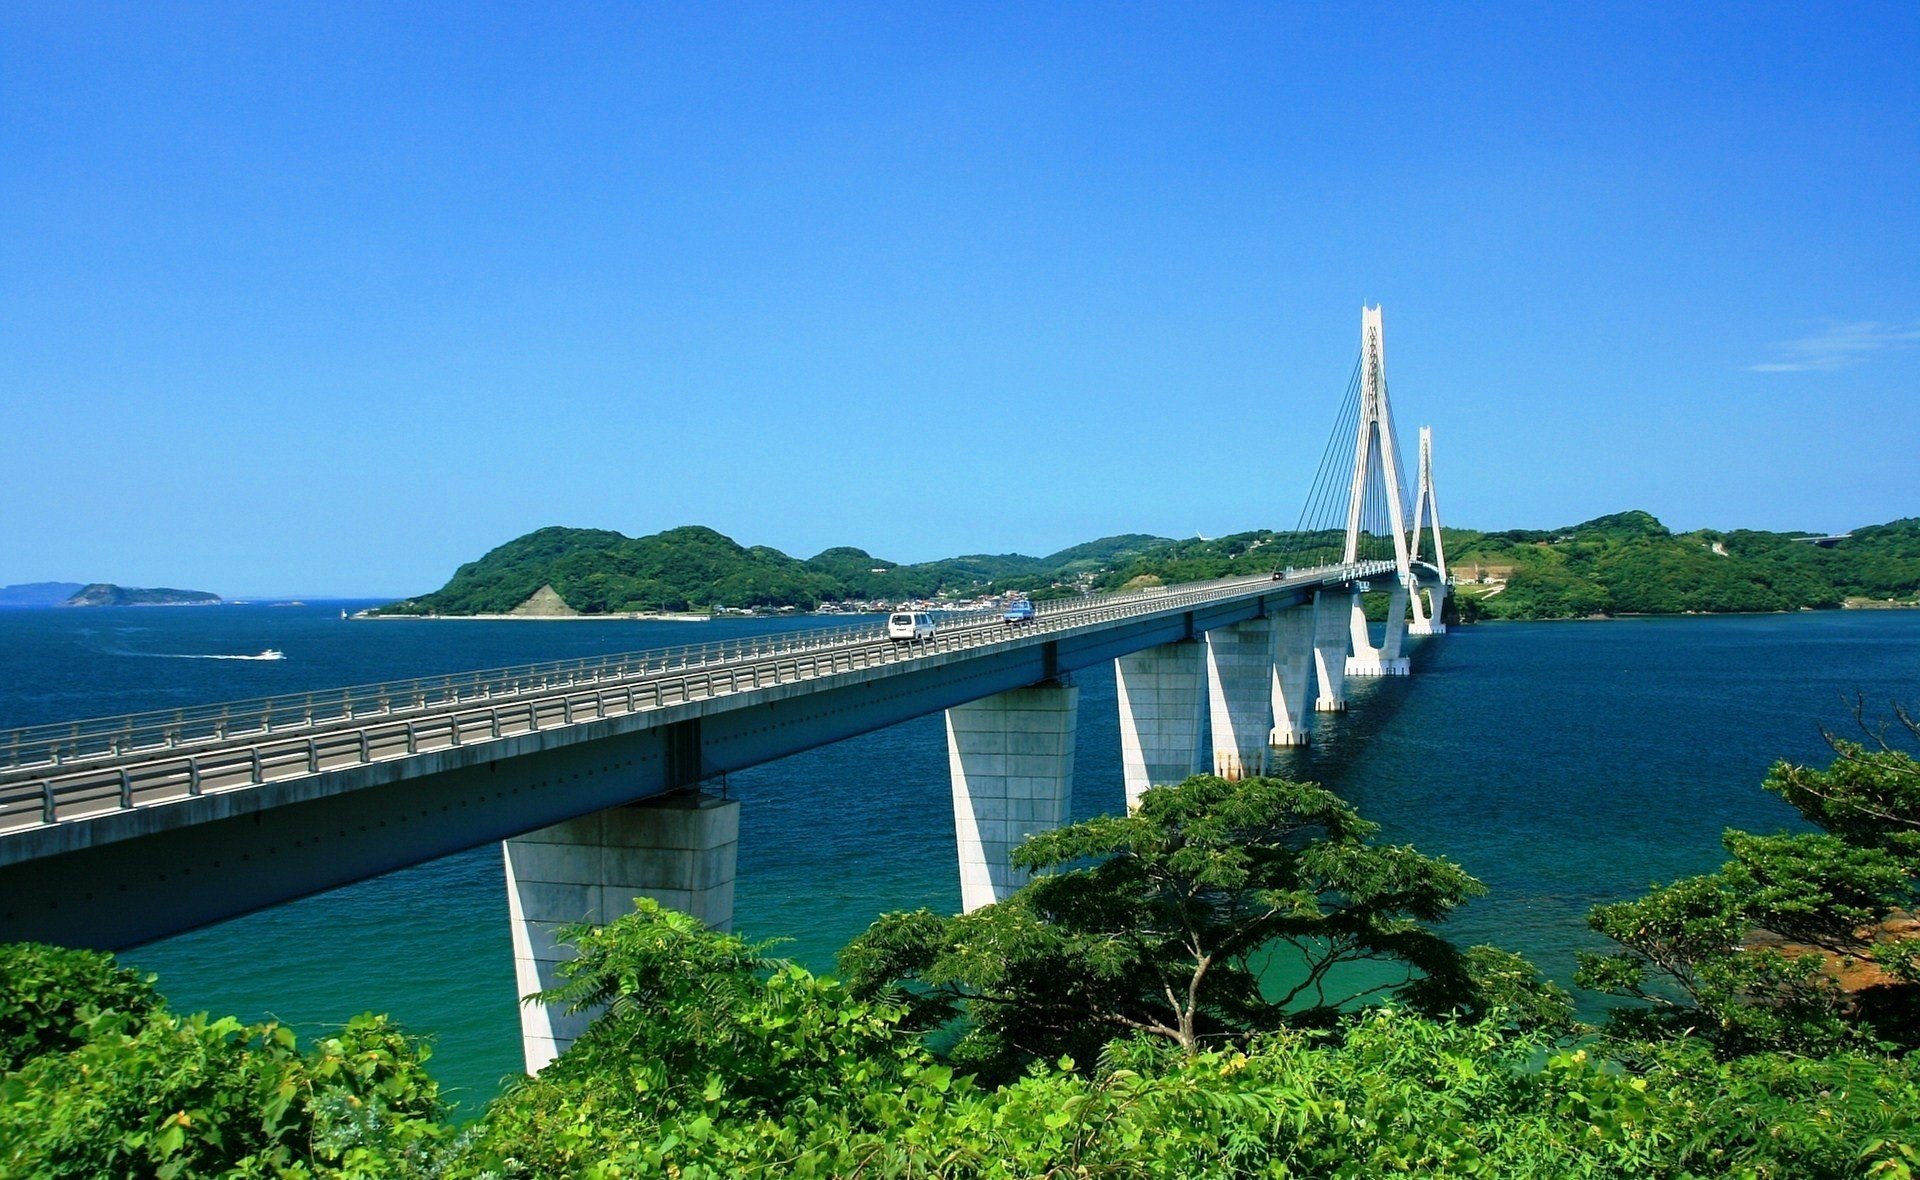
(1426, 616)
(1385, 660)
(679, 849)
(1330, 611)
(1293, 675)
(1240, 696)
(1162, 693)
(1011, 759)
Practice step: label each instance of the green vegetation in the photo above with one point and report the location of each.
(1164, 923)
(1799, 943)
(1627, 563)
(598, 572)
(102, 1080)
(1630, 564)
(1111, 1019)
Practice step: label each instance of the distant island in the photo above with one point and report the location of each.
(38, 594)
(1625, 563)
(31, 595)
(106, 594)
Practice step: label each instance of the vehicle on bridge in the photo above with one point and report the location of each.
(910, 627)
(1019, 610)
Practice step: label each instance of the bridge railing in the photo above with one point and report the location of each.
(247, 747)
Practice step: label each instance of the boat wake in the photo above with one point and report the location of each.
(269, 654)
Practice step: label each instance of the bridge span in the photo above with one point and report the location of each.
(118, 831)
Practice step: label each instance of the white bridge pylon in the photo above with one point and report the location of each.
(1376, 462)
(1426, 510)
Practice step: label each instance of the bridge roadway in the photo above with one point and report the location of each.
(121, 830)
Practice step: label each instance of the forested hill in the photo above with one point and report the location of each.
(1625, 563)
(597, 571)
(1629, 563)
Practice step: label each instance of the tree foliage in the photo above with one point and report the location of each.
(711, 1059)
(1166, 921)
(112, 1083)
(1758, 955)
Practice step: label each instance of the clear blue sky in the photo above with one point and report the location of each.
(327, 298)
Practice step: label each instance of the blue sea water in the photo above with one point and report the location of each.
(1564, 764)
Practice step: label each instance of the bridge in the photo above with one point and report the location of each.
(117, 831)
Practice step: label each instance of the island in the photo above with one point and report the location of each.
(107, 594)
(1623, 563)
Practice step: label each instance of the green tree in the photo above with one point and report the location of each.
(1751, 956)
(50, 995)
(114, 1084)
(1160, 922)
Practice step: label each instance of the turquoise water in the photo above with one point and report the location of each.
(1564, 764)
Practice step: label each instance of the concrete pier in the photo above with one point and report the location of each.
(1240, 696)
(678, 849)
(1293, 685)
(1011, 759)
(1331, 610)
(1385, 660)
(1427, 622)
(1162, 698)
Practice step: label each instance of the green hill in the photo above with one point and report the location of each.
(597, 572)
(1631, 564)
(1625, 563)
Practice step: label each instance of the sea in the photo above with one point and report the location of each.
(1563, 764)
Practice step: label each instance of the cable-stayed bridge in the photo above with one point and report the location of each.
(116, 831)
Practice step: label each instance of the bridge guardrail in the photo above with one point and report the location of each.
(51, 792)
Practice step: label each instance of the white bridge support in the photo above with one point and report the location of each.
(678, 849)
(1426, 510)
(1375, 449)
(1331, 609)
(1385, 660)
(1162, 694)
(1294, 681)
(1240, 696)
(1011, 758)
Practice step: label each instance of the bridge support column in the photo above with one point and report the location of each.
(677, 849)
(1240, 696)
(1293, 678)
(1331, 610)
(1385, 660)
(1161, 697)
(1011, 757)
(1425, 623)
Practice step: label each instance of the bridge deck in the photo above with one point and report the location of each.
(59, 775)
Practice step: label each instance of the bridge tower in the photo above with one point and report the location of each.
(1376, 458)
(1426, 511)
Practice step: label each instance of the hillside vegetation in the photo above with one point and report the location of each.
(1626, 563)
(598, 571)
(1629, 563)
(1161, 1000)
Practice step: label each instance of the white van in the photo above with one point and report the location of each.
(910, 626)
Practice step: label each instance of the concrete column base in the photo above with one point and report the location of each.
(1426, 627)
(1293, 686)
(1240, 697)
(678, 849)
(1382, 666)
(1330, 611)
(1162, 693)
(1011, 758)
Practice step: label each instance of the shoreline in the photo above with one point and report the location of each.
(622, 617)
(1705, 614)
